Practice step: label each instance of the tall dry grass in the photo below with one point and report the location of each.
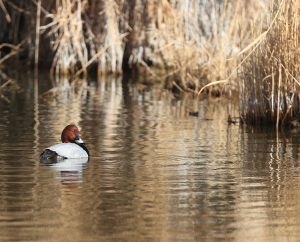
(113, 44)
(269, 87)
(195, 44)
(77, 43)
(68, 40)
(197, 41)
(248, 46)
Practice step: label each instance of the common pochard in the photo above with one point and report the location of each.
(72, 147)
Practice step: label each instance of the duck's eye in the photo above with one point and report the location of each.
(78, 140)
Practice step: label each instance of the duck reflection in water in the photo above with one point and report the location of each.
(70, 170)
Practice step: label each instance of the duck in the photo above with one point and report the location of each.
(72, 147)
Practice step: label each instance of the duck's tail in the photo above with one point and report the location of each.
(50, 156)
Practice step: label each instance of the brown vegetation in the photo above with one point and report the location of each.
(269, 86)
(248, 46)
(193, 40)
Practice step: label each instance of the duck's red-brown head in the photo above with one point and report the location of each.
(70, 134)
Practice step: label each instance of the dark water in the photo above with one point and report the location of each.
(156, 173)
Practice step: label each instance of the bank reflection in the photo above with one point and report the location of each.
(270, 191)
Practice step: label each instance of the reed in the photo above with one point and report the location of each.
(13, 50)
(113, 44)
(6, 82)
(68, 41)
(269, 86)
(198, 45)
(197, 42)
(3, 8)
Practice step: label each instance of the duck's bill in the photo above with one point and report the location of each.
(78, 140)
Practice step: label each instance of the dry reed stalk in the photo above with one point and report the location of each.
(9, 84)
(75, 40)
(112, 46)
(201, 39)
(2, 86)
(2, 6)
(66, 29)
(37, 35)
(198, 40)
(14, 49)
(271, 88)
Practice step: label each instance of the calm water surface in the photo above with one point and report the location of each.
(156, 173)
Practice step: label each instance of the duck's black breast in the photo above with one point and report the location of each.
(82, 145)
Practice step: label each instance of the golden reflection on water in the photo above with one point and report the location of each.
(155, 174)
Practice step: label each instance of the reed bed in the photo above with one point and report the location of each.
(84, 33)
(248, 46)
(202, 39)
(68, 41)
(113, 43)
(196, 41)
(269, 86)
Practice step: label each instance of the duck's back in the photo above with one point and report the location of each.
(64, 151)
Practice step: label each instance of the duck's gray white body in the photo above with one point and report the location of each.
(69, 150)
